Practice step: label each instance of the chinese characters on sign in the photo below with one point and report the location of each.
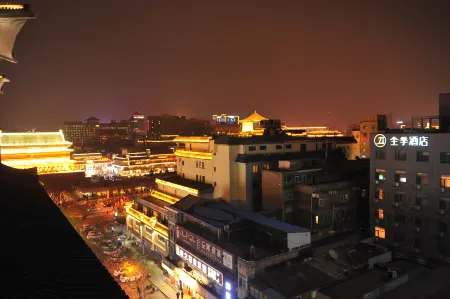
(211, 251)
(200, 265)
(380, 140)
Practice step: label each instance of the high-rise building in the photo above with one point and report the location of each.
(370, 125)
(410, 191)
(138, 125)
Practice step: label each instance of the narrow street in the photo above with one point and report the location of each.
(95, 220)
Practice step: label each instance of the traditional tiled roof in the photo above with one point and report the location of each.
(33, 139)
(255, 117)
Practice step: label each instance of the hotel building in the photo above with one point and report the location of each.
(410, 190)
(47, 151)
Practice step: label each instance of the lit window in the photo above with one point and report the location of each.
(317, 219)
(445, 181)
(380, 232)
(255, 168)
(380, 194)
(380, 214)
(380, 174)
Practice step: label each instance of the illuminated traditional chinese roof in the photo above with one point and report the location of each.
(33, 139)
(255, 117)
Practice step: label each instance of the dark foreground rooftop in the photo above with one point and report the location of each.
(43, 256)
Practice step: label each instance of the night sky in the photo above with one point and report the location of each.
(305, 62)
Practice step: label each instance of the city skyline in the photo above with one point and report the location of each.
(287, 60)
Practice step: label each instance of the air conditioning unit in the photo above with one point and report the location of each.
(375, 200)
(416, 186)
(442, 189)
(377, 221)
(396, 244)
(417, 208)
(440, 212)
(417, 229)
(396, 224)
(440, 234)
(395, 184)
(416, 250)
(376, 182)
(395, 204)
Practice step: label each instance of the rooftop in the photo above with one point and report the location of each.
(356, 287)
(178, 180)
(33, 139)
(54, 264)
(433, 285)
(291, 280)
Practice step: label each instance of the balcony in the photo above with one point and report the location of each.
(193, 154)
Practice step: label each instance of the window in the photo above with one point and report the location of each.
(380, 174)
(196, 177)
(324, 146)
(196, 164)
(443, 203)
(422, 156)
(262, 147)
(398, 197)
(421, 178)
(214, 168)
(442, 227)
(252, 148)
(321, 202)
(445, 181)
(445, 157)
(215, 184)
(380, 155)
(400, 155)
(302, 148)
(416, 242)
(363, 193)
(344, 197)
(288, 146)
(278, 146)
(380, 214)
(203, 178)
(379, 194)
(287, 178)
(314, 162)
(255, 168)
(380, 232)
(374, 127)
(400, 176)
(421, 200)
(266, 166)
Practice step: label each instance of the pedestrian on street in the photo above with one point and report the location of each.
(178, 295)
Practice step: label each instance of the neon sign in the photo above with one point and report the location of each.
(200, 265)
(380, 141)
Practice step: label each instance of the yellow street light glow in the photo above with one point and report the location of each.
(176, 186)
(192, 139)
(164, 197)
(193, 154)
(150, 221)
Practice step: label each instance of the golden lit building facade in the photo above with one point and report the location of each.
(143, 163)
(47, 151)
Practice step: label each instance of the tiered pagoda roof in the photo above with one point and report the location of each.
(254, 117)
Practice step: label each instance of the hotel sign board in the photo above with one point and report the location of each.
(199, 265)
(380, 140)
(208, 249)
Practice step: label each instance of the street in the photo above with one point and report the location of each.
(117, 249)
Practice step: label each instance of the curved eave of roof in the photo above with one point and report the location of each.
(254, 117)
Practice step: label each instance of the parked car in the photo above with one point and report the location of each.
(118, 272)
(124, 278)
(93, 209)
